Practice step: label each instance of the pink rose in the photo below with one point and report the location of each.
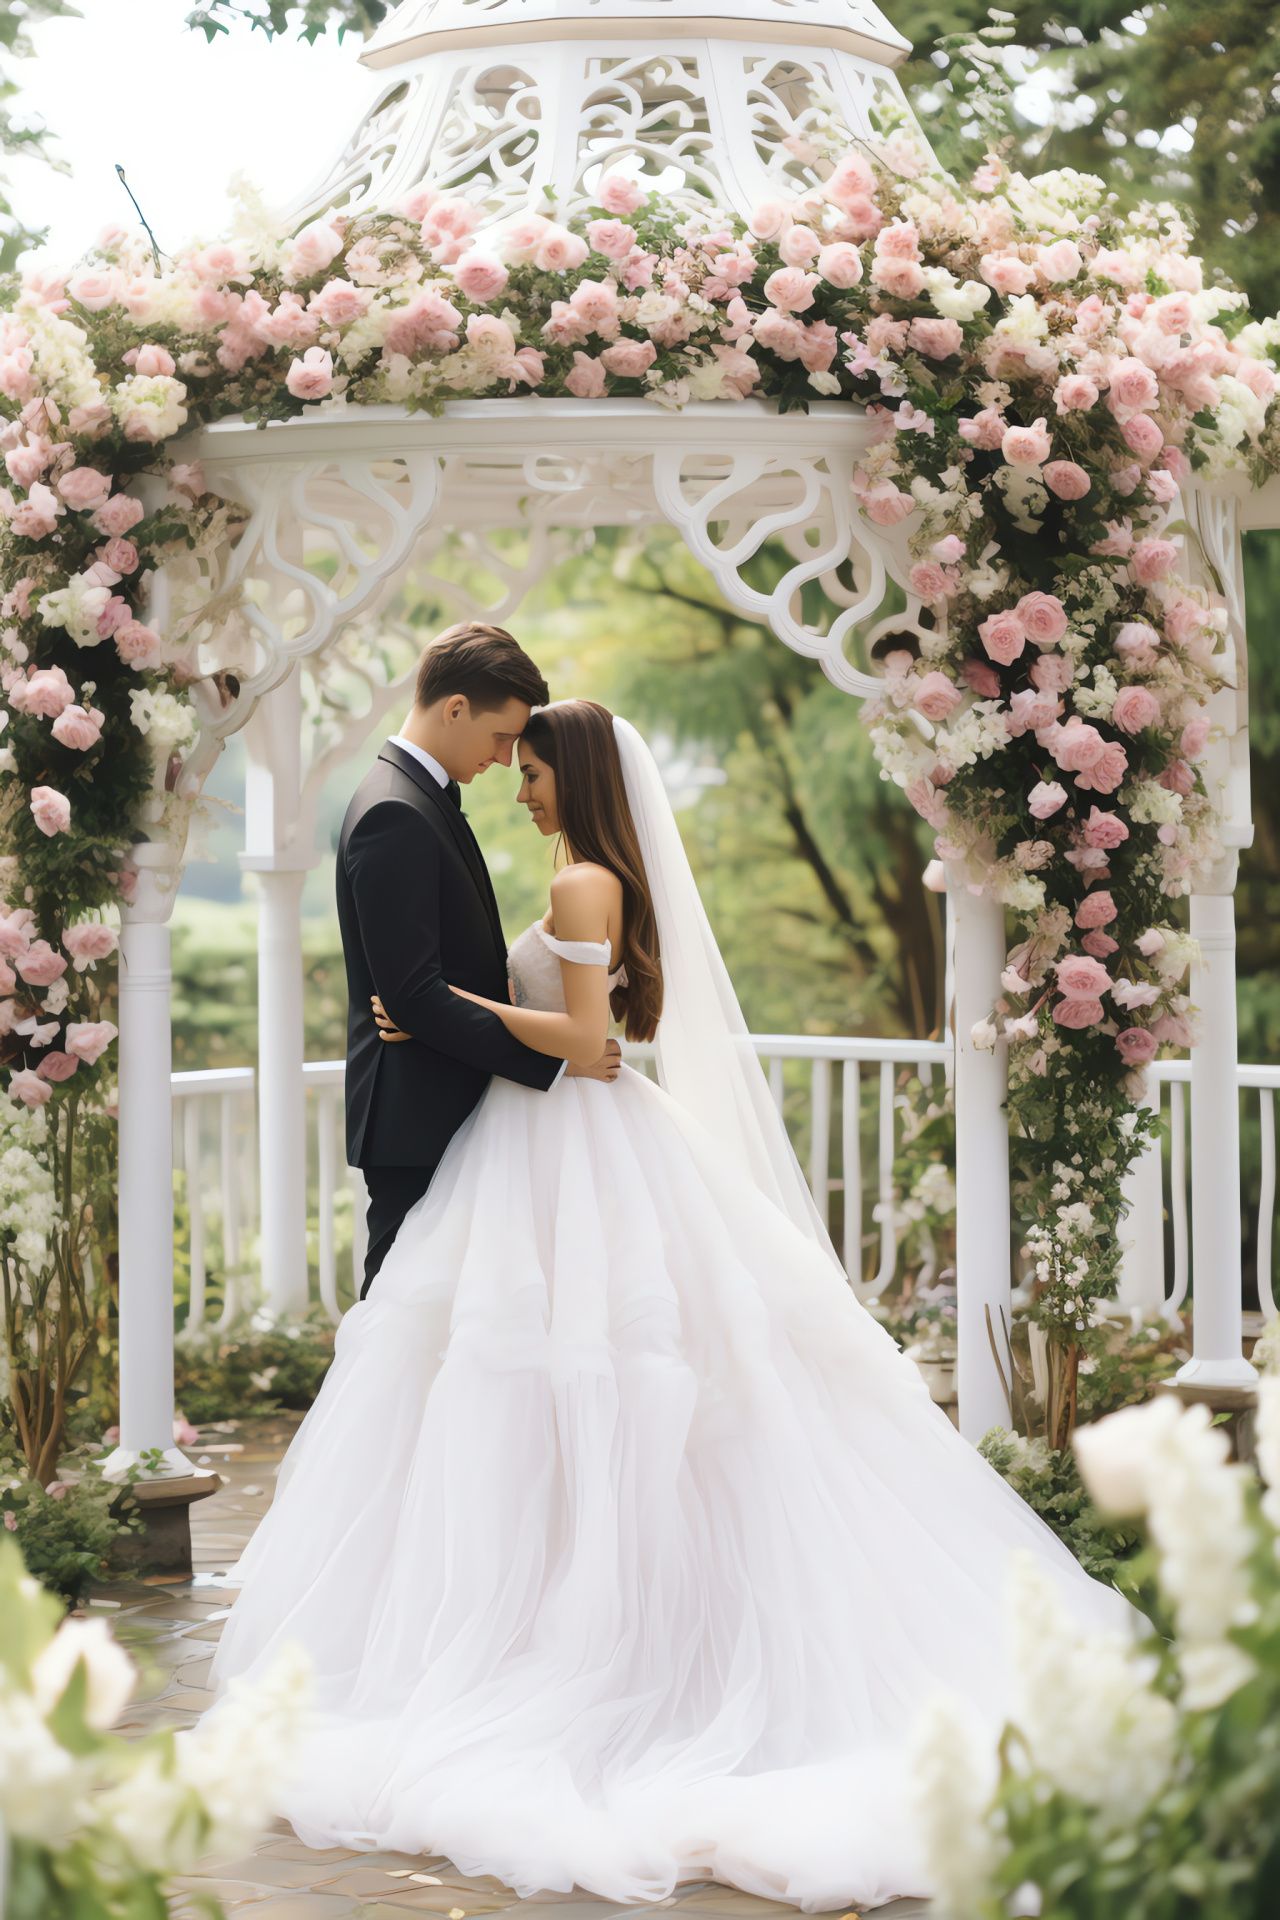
(982, 680)
(27, 1086)
(611, 238)
(1003, 636)
(1052, 673)
(16, 374)
(1104, 829)
(1045, 798)
(40, 965)
(931, 582)
(771, 219)
(900, 279)
(39, 513)
(1177, 778)
(138, 646)
(1136, 1045)
(1060, 262)
(565, 327)
(1143, 435)
(338, 303)
(312, 250)
(927, 802)
(84, 488)
(51, 812)
(1195, 737)
(818, 346)
(17, 930)
(629, 359)
(1106, 773)
(936, 697)
(1134, 709)
(1177, 463)
(885, 506)
(1115, 264)
(89, 1039)
(118, 515)
(799, 247)
(58, 1066)
(1183, 620)
(88, 942)
(47, 693)
(1077, 746)
(791, 289)
(1133, 388)
(1042, 617)
(1007, 274)
(94, 289)
(1175, 1030)
(840, 264)
(560, 251)
(1099, 944)
(480, 276)
(1066, 479)
(899, 241)
(1124, 481)
(1136, 643)
(75, 727)
(445, 225)
(154, 360)
(121, 556)
(1030, 710)
(1164, 488)
(938, 339)
(521, 240)
(1026, 446)
(1096, 910)
(596, 301)
(985, 430)
(1078, 1013)
(311, 378)
(1076, 393)
(861, 219)
(779, 333)
(528, 366)
(1153, 560)
(1081, 979)
(617, 194)
(586, 381)
(853, 179)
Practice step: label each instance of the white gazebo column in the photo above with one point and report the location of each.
(146, 1170)
(983, 1281)
(272, 852)
(1216, 1358)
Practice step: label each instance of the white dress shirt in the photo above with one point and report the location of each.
(441, 779)
(421, 755)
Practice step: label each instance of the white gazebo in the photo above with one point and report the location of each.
(517, 103)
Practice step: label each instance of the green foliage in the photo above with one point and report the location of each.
(256, 1370)
(68, 1535)
(16, 17)
(311, 19)
(1050, 1484)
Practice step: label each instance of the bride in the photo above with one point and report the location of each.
(625, 1544)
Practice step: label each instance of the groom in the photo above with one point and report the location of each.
(417, 913)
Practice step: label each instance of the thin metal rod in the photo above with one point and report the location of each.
(820, 1138)
(851, 1168)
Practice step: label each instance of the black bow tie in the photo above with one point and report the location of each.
(454, 792)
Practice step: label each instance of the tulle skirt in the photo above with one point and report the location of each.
(626, 1545)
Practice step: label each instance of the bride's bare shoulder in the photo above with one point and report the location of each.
(584, 893)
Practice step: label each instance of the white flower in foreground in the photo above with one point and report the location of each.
(41, 1784)
(154, 1816)
(241, 1753)
(954, 1770)
(1088, 1714)
(110, 1674)
(1268, 1443)
(1170, 1462)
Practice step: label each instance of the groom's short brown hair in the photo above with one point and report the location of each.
(482, 662)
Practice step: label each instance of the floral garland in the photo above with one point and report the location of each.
(1054, 370)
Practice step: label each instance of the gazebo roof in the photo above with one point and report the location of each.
(421, 27)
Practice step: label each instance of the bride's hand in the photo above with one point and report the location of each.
(387, 1028)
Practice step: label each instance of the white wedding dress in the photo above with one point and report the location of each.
(626, 1545)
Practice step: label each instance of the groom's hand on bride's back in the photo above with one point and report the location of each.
(605, 1068)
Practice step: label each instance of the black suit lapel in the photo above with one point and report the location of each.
(458, 826)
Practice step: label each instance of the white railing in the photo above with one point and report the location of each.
(215, 1145)
(1144, 1226)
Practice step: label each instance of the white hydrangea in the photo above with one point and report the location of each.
(149, 406)
(1096, 702)
(953, 302)
(66, 370)
(1148, 801)
(1086, 1709)
(954, 1772)
(1024, 320)
(166, 721)
(77, 607)
(239, 1754)
(41, 1784)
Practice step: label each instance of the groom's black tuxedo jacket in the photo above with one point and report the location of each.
(418, 915)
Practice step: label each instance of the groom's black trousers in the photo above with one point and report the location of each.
(392, 1191)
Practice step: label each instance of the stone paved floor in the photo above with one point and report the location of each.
(172, 1627)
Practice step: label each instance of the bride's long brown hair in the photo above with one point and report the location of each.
(576, 740)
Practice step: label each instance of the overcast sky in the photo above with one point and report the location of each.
(128, 82)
